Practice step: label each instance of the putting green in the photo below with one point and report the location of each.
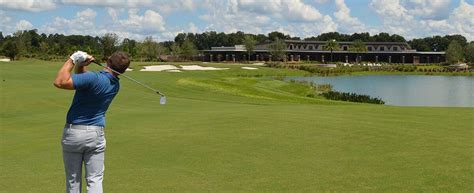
(233, 131)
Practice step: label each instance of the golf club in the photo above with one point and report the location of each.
(162, 96)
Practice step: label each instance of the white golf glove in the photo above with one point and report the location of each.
(79, 58)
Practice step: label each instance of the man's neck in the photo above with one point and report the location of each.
(111, 72)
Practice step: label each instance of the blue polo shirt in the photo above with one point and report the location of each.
(94, 93)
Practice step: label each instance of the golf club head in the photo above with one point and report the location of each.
(162, 99)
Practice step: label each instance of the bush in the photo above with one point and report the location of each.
(325, 90)
(352, 97)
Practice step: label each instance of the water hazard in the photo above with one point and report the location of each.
(406, 90)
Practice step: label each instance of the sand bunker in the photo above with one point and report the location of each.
(4, 60)
(160, 68)
(129, 69)
(258, 64)
(171, 68)
(196, 67)
(249, 68)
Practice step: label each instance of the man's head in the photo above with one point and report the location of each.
(118, 61)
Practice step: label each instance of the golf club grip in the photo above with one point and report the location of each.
(95, 62)
(136, 81)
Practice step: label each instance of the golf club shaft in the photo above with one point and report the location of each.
(130, 78)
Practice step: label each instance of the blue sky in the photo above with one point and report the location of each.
(163, 19)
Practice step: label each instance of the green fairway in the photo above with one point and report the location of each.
(233, 131)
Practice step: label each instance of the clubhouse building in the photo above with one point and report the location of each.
(301, 50)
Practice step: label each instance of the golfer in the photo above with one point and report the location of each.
(83, 140)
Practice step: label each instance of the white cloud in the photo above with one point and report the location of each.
(82, 23)
(113, 13)
(5, 23)
(107, 3)
(28, 5)
(171, 6)
(193, 28)
(346, 21)
(164, 6)
(24, 25)
(304, 30)
(330, 25)
(140, 18)
(293, 10)
(135, 26)
(9, 26)
(460, 21)
(254, 16)
(463, 19)
(86, 14)
(226, 16)
(320, 1)
(256, 6)
(390, 9)
(396, 18)
(151, 21)
(428, 9)
(297, 10)
(4, 20)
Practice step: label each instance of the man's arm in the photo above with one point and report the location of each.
(63, 79)
(80, 69)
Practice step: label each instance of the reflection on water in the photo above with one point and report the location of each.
(446, 91)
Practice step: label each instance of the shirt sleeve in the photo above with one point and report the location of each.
(83, 80)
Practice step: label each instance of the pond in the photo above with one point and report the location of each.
(406, 90)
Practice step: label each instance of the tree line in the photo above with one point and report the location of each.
(30, 44)
(185, 46)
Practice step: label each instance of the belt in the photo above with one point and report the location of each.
(83, 127)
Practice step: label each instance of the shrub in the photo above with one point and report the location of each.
(352, 97)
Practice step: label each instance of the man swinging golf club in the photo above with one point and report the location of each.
(83, 138)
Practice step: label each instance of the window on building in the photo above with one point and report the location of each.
(344, 48)
(382, 48)
(395, 48)
(310, 47)
(369, 48)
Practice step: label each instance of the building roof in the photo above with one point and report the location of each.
(342, 42)
(229, 48)
(327, 51)
(263, 48)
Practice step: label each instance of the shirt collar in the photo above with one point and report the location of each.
(110, 76)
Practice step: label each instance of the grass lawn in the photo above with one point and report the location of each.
(233, 131)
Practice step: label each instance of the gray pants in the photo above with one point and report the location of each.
(83, 144)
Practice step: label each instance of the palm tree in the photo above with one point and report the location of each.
(278, 49)
(249, 43)
(358, 46)
(332, 45)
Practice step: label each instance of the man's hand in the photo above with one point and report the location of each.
(81, 64)
(88, 61)
(81, 58)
